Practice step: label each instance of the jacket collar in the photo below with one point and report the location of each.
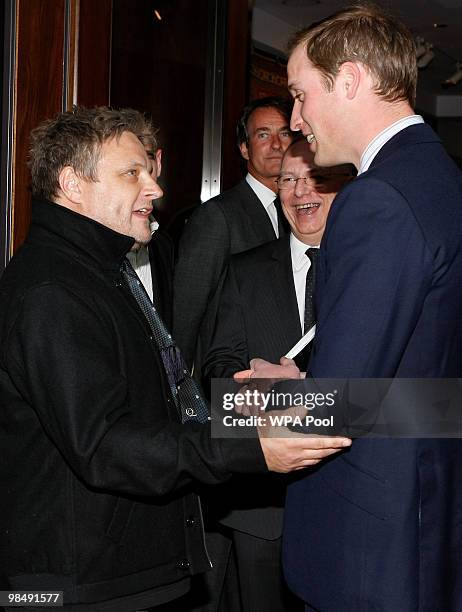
(281, 248)
(57, 226)
(414, 134)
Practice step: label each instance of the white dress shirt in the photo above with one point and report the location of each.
(266, 197)
(377, 143)
(142, 266)
(300, 265)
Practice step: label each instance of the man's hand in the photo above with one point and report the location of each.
(295, 452)
(259, 368)
(286, 450)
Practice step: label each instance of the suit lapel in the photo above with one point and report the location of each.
(255, 212)
(283, 224)
(283, 289)
(161, 285)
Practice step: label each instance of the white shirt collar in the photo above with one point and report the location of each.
(298, 252)
(142, 266)
(263, 193)
(385, 135)
(153, 225)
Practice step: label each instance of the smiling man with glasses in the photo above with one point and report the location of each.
(265, 306)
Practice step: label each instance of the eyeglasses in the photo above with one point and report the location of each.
(286, 182)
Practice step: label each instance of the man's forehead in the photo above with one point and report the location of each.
(126, 145)
(295, 163)
(263, 117)
(298, 66)
(298, 154)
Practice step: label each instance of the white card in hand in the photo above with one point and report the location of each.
(304, 341)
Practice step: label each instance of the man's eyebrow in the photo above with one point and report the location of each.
(268, 129)
(133, 162)
(129, 165)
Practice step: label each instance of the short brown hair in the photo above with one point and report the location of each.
(74, 138)
(363, 33)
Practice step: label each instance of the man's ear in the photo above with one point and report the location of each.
(244, 150)
(349, 79)
(70, 184)
(159, 161)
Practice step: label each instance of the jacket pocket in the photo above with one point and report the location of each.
(360, 488)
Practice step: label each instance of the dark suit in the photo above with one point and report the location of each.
(258, 313)
(257, 317)
(232, 222)
(161, 260)
(379, 527)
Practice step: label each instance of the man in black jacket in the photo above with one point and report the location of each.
(97, 465)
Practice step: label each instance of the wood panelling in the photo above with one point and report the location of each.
(158, 67)
(39, 86)
(94, 52)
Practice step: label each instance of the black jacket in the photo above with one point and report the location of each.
(96, 468)
(161, 259)
(230, 223)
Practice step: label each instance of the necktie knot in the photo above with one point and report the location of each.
(312, 254)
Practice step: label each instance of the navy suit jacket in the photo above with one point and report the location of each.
(380, 526)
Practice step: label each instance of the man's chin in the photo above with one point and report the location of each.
(140, 242)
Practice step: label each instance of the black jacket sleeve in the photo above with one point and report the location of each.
(60, 356)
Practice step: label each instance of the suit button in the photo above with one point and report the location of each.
(184, 564)
(190, 521)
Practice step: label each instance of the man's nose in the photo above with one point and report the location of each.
(303, 186)
(276, 142)
(152, 188)
(295, 119)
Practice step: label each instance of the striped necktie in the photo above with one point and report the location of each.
(185, 390)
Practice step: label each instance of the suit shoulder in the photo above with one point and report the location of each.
(240, 194)
(224, 208)
(259, 254)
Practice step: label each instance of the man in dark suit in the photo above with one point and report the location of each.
(262, 313)
(236, 220)
(379, 528)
